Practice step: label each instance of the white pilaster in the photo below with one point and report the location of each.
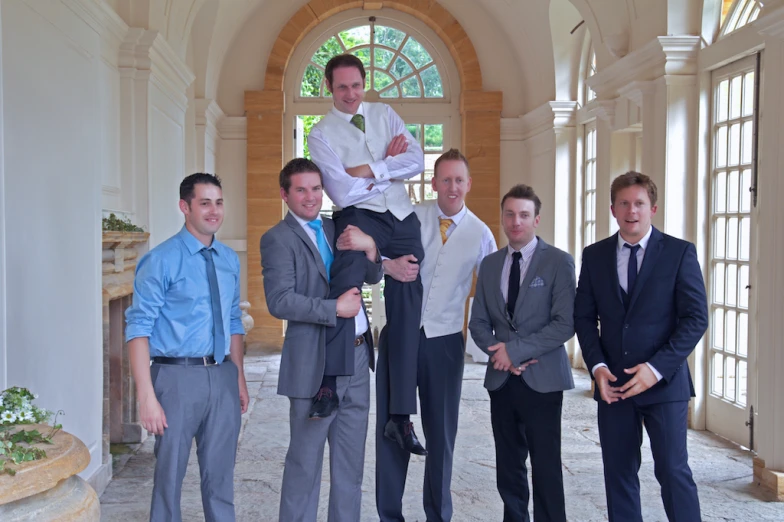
(208, 115)
(769, 423)
(605, 121)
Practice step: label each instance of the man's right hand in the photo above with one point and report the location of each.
(604, 377)
(398, 145)
(404, 269)
(349, 303)
(152, 416)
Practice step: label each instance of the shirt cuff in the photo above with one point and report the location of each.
(597, 366)
(655, 372)
(380, 170)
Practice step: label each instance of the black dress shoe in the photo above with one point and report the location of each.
(324, 403)
(403, 434)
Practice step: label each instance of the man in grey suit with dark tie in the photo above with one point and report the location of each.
(522, 316)
(295, 257)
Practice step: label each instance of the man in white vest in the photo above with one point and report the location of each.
(455, 242)
(365, 152)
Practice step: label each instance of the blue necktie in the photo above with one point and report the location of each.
(631, 275)
(321, 242)
(218, 335)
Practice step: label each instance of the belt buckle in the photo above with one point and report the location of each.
(204, 361)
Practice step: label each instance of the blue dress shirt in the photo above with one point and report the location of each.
(171, 297)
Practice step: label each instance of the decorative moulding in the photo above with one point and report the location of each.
(547, 117)
(604, 110)
(666, 55)
(208, 114)
(148, 50)
(636, 91)
(236, 128)
(771, 24)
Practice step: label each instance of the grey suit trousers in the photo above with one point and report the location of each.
(346, 432)
(201, 402)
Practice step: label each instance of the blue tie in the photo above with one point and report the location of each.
(218, 335)
(321, 242)
(631, 275)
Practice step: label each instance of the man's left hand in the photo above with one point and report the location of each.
(352, 238)
(360, 171)
(642, 380)
(500, 358)
(244, 397)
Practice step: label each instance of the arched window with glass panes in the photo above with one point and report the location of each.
(737, 13)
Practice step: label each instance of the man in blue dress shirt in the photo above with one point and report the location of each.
(185, 339)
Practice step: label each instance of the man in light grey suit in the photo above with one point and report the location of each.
(295, 257)
(522, 316)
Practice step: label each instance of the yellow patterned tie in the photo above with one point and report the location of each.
(445, 223)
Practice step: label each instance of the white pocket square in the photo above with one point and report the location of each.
(537, 282)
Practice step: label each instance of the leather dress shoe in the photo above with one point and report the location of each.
(403, 434)
(324, 403)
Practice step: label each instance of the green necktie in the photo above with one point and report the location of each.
(358, 121)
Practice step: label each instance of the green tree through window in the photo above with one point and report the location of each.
(397, 65)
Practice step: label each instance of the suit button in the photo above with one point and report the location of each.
(626, 353)
(626, 326)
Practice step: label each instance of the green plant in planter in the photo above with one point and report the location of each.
(17, 408)
(115, 224)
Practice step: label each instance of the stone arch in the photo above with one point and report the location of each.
(480, 113)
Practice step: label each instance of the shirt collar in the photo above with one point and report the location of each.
(347, 117)
(192, 244)
(643, 242)
(457, 218)
(526, 251)
(303, 223)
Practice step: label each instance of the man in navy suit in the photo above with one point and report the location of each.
(647, 289)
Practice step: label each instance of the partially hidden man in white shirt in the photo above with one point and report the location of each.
(455, 242)
(365, 152)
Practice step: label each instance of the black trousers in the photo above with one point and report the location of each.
(525, 421)
(620, 432)
(440, 381)
(403, 301)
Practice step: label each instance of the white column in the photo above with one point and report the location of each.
(3, 360)
(565, 167)
(769, 283)
(605, 115)
(208, 114)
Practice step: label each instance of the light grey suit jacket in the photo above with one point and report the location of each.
(542, 323)
(296, 289)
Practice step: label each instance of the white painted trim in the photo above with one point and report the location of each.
(3, 285)
(208, 114)
(549, 116)
(671, 55)
(233, 128)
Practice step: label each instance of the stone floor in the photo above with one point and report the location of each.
(722, 471)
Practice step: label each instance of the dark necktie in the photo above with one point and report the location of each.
(631, 275)
(514, 283)
(218, 335)
(358, 121)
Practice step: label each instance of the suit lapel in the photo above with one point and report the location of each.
(496, 268)
(612, 253)
(649, 261)
(299, 231)
(539, 252)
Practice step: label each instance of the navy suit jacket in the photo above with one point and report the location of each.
(667, 314)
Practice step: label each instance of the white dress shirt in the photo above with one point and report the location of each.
(346, 190)
(528, 253)
(488, 245)
(622, 261)
(360, 320)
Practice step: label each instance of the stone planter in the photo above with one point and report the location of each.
(48, 489)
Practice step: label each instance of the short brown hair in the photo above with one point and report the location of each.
(630, 179)
(342, 60)
(450, 155)
(297, 166)
(523, 192)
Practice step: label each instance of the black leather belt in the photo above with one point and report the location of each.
(186, 361)
(359, 340)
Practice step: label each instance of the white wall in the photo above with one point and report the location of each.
(52, 123)
(3, 358)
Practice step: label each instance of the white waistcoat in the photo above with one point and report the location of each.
(447, 270)
(355, 147)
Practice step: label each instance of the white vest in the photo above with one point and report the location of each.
(355, 147)
(447, 270)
